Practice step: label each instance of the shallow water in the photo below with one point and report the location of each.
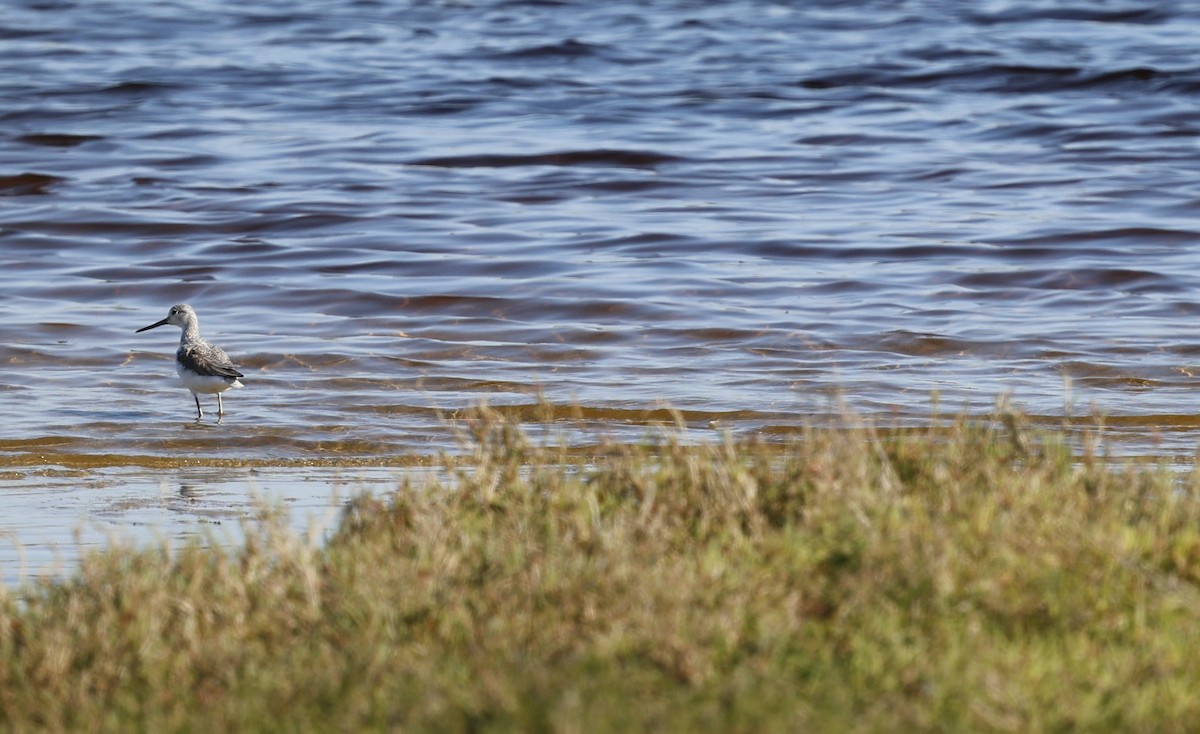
(53, 516)
(389, 211)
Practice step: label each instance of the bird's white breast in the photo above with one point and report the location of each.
(204, 383)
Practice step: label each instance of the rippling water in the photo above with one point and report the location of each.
(388, 211)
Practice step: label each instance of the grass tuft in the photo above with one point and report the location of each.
(976, 577)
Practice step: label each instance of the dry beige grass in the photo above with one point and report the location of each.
(977, 578)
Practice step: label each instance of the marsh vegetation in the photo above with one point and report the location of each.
(981, 576)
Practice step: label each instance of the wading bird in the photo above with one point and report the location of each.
(203, 367)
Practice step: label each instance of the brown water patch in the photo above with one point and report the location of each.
(28, 184)
(619, 158)
(52, 140)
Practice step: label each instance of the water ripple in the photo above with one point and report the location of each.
(388, 212)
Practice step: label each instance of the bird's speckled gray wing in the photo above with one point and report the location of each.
(207, 359)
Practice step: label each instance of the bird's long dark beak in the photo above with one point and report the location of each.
(152, 326)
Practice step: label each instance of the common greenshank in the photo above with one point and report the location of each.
(203, 367)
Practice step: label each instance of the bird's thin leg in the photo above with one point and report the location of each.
(220, 408)
(199, 410)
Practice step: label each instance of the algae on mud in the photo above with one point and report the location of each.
(984, 577)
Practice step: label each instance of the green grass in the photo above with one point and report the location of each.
(981, 577)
